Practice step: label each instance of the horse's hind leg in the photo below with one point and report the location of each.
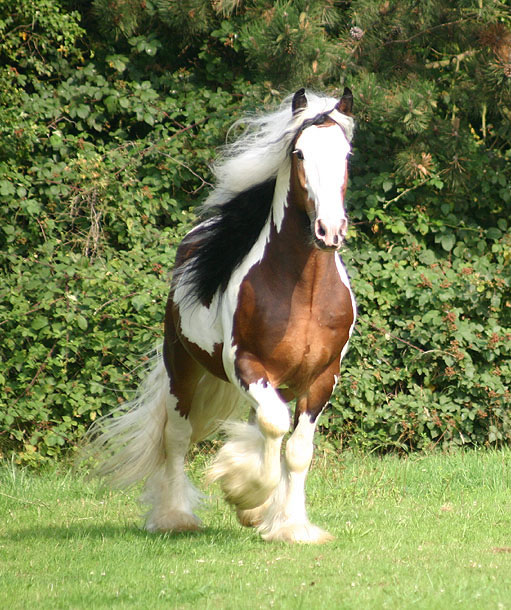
(168, 490)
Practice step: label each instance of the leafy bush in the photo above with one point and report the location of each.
(430, 361)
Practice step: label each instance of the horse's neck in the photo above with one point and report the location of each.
(291, 252)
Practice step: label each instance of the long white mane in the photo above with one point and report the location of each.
(260, 151)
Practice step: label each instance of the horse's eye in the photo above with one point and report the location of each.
(298, 153)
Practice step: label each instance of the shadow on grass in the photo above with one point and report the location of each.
(107, 532)
(80, 531)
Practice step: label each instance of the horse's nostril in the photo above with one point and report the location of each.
(332, 235)
(320, 229)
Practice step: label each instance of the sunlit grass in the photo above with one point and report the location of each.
(428, 531)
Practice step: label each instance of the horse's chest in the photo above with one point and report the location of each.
(314, 336)
(294, 329)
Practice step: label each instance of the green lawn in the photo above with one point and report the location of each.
(429, 531)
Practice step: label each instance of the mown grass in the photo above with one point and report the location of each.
(428, 531)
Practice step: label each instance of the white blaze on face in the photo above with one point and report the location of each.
(325, 150)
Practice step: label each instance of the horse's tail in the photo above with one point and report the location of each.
(127, 445)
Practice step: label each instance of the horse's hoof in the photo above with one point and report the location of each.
(173, 521)
(251, 517)
(301, 533)
(242, 467)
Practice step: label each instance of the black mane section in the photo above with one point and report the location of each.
(319, 119)
(230, 231)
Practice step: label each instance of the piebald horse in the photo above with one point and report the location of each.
(260, 312)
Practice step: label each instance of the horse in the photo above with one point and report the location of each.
(259, 314)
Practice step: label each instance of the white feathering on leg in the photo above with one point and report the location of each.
(247, 466)
(169, 491)
(285, 518)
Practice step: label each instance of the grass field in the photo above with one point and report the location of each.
(428, 531)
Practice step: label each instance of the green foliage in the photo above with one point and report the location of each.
(88, 239)
(430, 200)
(118, 18)
(67, 356)
(37, 36)
(430, 363)
(92, 165)
(288, 43)
(109, 118)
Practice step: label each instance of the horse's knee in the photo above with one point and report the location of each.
(272, 414)
(178, 430)
(298, 453)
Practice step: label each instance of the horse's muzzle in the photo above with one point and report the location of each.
(329, 236)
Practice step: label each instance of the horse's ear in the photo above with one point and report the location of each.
(345, 104)
(299, 101)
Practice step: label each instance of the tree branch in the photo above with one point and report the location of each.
(445, 62)
(426, 31)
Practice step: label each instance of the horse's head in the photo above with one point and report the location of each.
(319, 166)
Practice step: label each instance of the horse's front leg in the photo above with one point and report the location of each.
(248, 467)
(285, 516)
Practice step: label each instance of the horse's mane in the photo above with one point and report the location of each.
(237, 209)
